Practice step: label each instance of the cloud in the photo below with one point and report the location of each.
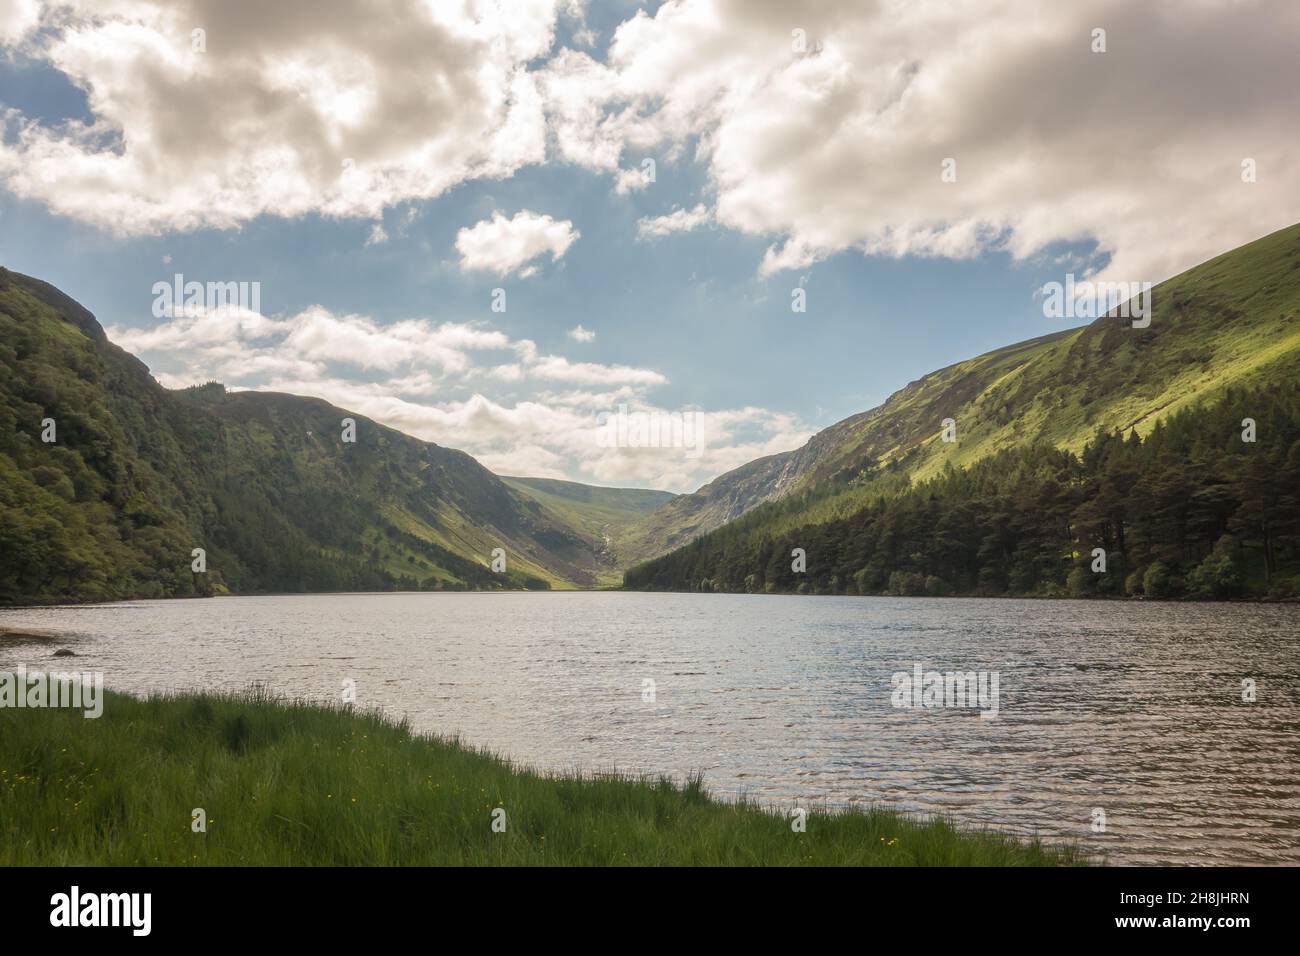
(841, 148)
(216, 341)
(579, 334)
(443, 382)
(17, 18)
(503, 245)
(834, 147)
(299, 109)
(679, 220)
(559, 369)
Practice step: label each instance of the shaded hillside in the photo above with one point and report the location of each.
(1229, 322)
(139, 476)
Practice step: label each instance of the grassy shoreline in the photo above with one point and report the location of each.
(294, 783)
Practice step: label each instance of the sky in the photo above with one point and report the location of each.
(911, 173)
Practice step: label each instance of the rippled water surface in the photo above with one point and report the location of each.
(1135, 709)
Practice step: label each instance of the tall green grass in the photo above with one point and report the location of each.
(291, 783)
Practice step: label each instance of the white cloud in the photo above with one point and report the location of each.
(201, 328)
(630, 181)
(298, 111)
(504, 245)
(558, 369)
(679, 220)
(576, 89)
(17, 18)
(841, 149)
(292, 111)
(579, 334)
(536, 415)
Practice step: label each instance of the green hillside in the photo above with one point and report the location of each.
(728, 497)
(138, 476)
(1224, 332)
(601, 515)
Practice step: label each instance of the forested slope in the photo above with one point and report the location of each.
(1036, 430)
(138, 476)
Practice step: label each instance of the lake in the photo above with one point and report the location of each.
(1132, 709)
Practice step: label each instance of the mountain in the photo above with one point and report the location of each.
(730, 495)
(138, 476)
(1223, 330)
(601, 515)
(1229, 321)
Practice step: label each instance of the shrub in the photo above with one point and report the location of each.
(1133, 583)
(1080, 583)
(1157, 581)
(1215, 577)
